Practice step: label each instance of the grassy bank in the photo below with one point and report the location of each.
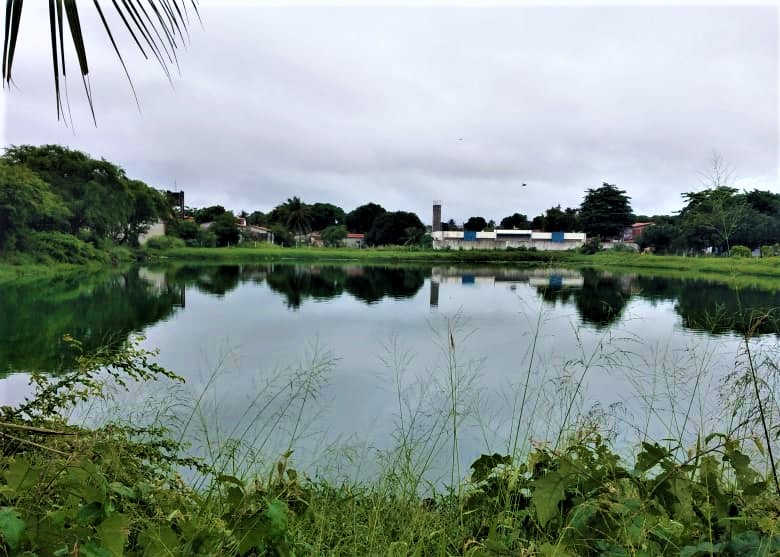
(721, 269)
(370, 255)
(29, 272)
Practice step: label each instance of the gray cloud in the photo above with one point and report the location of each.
(349, 105)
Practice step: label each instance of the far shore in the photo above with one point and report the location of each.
(762, 272)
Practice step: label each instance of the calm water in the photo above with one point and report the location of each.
(346, 361)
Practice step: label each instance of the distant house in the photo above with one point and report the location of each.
(253, 233)
(633, 232)
(314, 239)
(354, 240)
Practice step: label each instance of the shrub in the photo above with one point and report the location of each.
(61, 248)
(770, 251)
(165, 243)
(591, 246)
(740, 251)
(625, 248)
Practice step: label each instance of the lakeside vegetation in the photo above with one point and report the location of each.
(119, 488)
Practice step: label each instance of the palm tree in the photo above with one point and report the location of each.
(298, 216)
(158, 27)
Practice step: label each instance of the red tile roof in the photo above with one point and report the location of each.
(355, 236)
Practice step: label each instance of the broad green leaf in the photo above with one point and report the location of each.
(277, 518)
(91, 549)
(11, 527)
(121, 490)
(755, 489)
(90, 514)
(20, 476)
(701, 550)
(548, 492)
(113, 533)
(649, 457)
(159, 541)
(741, 464)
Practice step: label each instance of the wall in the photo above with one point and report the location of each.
(155, 230)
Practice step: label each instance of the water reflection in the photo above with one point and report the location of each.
(600, 298)
(105, 308)
(97, 309)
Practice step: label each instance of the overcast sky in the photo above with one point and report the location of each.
(404, 105)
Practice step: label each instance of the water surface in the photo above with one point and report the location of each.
(349, 361)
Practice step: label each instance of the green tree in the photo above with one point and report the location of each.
(712, 217)
(324, 215)
(187, 230)
(225, 228)
(148, 206)
(662, 238)
(334, 235)
(26, 203)
(476, 224)
(393, 228)
(605, 211)
(282, 235)
(515, 221)
(361, 219)
(297, 215)
(103, 203)
(557, 220)
(257, 218)
(208, 214)
(450, 225)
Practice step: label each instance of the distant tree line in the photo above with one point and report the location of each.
(292, 220)
(62, 204)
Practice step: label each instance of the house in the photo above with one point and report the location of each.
(633, 232)
(255, 233)
(354, 240)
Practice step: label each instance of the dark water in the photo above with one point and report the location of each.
(633, 352)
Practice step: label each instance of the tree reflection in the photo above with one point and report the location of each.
(297, 284)
(600, 300)
(375, 283)
(98, 310)
(709, 307)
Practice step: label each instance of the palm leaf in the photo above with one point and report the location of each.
(162, 29)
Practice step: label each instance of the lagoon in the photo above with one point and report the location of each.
(342, 363)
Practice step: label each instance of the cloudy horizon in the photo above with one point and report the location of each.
(404, 105)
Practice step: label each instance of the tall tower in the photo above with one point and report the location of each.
(436, 224)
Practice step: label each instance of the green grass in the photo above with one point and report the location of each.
(29, 272)
(370, 255)
(763, 272)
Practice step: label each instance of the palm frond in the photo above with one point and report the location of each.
(162, 28)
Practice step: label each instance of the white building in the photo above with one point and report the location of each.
(503, 239)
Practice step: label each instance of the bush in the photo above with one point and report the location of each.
(164, 243)
(740, 251)
(625, 248)
(770, 251)
(591, 246)
(61, 248)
